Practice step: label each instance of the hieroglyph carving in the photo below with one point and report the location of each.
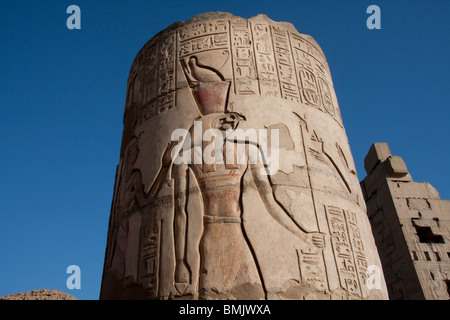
(265, 60)
(348, 249)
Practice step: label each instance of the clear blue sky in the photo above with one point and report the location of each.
(62, 95)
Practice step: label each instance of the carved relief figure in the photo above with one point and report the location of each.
(126, 226)
(226, 256)
(129, 200)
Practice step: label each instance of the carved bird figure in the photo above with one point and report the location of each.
(201, 73)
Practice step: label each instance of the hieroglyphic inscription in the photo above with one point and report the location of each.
(244, 67)
(204, 43)
(342, 250)
(348, 249)
(150, 73)
(265, 60)
(285, 65)
(159, 77)
(166, 89)
(150, 257)
(358, 248)
(150, 81)
(312, 268)
(195, 30)
(309, 86)
(310, 65)
(327, 99)
(203, 36)
(306, 52)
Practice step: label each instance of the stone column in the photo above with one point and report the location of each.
(236, 166)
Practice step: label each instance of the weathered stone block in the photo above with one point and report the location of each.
(411, 228)
(396, 167)
(378, 152)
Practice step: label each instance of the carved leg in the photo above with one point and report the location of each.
(182, 276)
(181, 271)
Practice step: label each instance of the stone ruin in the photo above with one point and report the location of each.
(411, 227)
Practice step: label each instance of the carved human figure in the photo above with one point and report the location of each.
(130, 199)
(226, 257)
(124, 252)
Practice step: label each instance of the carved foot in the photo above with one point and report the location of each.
(181, 287)
(181, 278)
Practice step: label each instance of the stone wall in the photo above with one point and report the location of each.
(411, 226)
